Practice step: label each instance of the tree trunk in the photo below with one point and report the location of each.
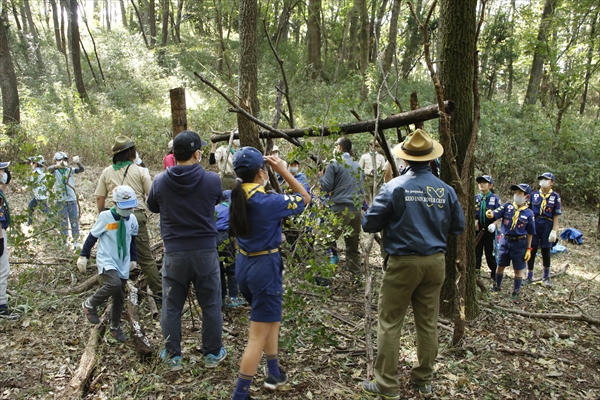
(75, 52)
(123, 13)
(64, 8)
(8, 78)
(363, 35)
(511, 57)
(412, 47)
(139, 17)
(178, 20)
(541, 50)
(219, 23)
(283, 24)
(390, 50)
(248, 72)
(166, 6)
(457, 73)
(352, 47)
(56, 26)
(152, 20)
(313, 35)
(178, 110)
(35, 41)
(588, 68)
(107, 14)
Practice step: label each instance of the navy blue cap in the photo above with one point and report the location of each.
(522, 186)
(187, 142)
(546, 175)
(484, 178)
(226, 195)
(247, 159)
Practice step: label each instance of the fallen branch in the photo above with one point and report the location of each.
(87, 363)
(142, 344)
(576, 286)
(561, 271)
(339, 317)
(532, 354)
(553, 316)
(82, 287)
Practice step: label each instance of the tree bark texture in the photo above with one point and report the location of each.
(390, 50)
(75, 52)
(166, 6)
(541, 50)
(152, 20)
(35, 41)
(8, 79)
(588, 68)
(248, 72)
(123, 13)
(363, 35)
(412, 47)
(457, 72)
(313, 37)
(178, 110)
(56, 25)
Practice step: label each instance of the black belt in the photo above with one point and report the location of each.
(258, 253)
(545, 217)
(515, 237)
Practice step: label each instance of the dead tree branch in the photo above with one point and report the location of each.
(532, 354)
(552, 316)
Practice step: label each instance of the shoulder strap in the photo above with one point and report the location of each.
(125, 174)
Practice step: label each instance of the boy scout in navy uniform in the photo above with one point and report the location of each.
(485, 200)
(518, 228)
(545, 204)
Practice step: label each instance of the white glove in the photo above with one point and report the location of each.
(552, 237)
(132, 265)
(82, 263)
(491, 228)
(76, 159)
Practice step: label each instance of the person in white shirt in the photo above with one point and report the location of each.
(371, 162)
(223, 157)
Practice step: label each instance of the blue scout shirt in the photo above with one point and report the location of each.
(546, 205)
(222, 211)
(300, 177)
(516, 221)
(265, 213)
(416, 211)
(492, 201)
(4, 211)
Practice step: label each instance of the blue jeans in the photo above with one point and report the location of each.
(200, 267)
(68, 213)
(33, 204)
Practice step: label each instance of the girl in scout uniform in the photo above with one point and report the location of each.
(116, 230)
(518, 228)
(545, 204)
(485, 200)
(256, 221)
(5, 312)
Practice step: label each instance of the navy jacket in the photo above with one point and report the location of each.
(416, 211)
(185, 196)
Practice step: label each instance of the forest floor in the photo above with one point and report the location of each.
(503, 355)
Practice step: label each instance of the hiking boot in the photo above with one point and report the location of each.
(425, 389)
(211, 360)
(91, 313)
(273, 383)
(6, 313)
(174, 363)
(515, 297)
(548, 283)
(371, 388)
(334, 260)
(118, 334)
(528, 281)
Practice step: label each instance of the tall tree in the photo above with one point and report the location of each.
(457, 73)
(390, 50)
(8, 78)
(540, 53)
(412, 47)
(35, 41)
(363, 35)
(313, 36)
(75, 49)
(56, 25)
(166, 6)
(152, 20)
(248, 72)
(588, 67)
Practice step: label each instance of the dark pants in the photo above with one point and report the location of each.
(113, 287)
(486, 243)
(352, 240)
(33, 204)
(200, 267)
(227, 263)
(146, 260)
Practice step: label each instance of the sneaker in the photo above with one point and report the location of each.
(174, 362)
(324, 282)
(548, 283)
(6, 313)
(90, 313)
(371, 388)
(234, 302)
(515, 297)
(528, 281)
(424, 389)
(211, 361)
(273, 383)
(118, 334)
(495, 289)
(334, 260)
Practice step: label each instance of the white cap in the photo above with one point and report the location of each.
(60, 155)
(124, 197)
(171, 144)
(137, 160)
(275, 148)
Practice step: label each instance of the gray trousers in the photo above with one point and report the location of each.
(200, 267)
(113, 287)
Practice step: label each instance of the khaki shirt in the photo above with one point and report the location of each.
(222, 165)
(366, 163)
(137, 178)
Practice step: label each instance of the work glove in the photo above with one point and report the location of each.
(491, 228)
(132, 265)
(82, 263)
(527, 255)
(552, 237)
(1, 246)
(489, 214)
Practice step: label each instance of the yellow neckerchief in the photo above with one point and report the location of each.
(518, 210)
(544, 198)
(252, 188)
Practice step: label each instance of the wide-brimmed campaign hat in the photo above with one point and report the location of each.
(418, 146)
(122, 143)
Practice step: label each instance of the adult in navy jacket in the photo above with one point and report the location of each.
(416, 212)
(185, 195)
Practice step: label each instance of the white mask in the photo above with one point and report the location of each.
(4, 178)
(519, 199)
(124, 213)
(544, 183)
(293, 170)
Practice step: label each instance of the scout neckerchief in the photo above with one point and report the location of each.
(121, 234)
(483, 207)
(251, 189)
(4, 204)
(544, 198)
(518, 210)
(121, 164)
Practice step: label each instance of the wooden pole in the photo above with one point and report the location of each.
(178, 110)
